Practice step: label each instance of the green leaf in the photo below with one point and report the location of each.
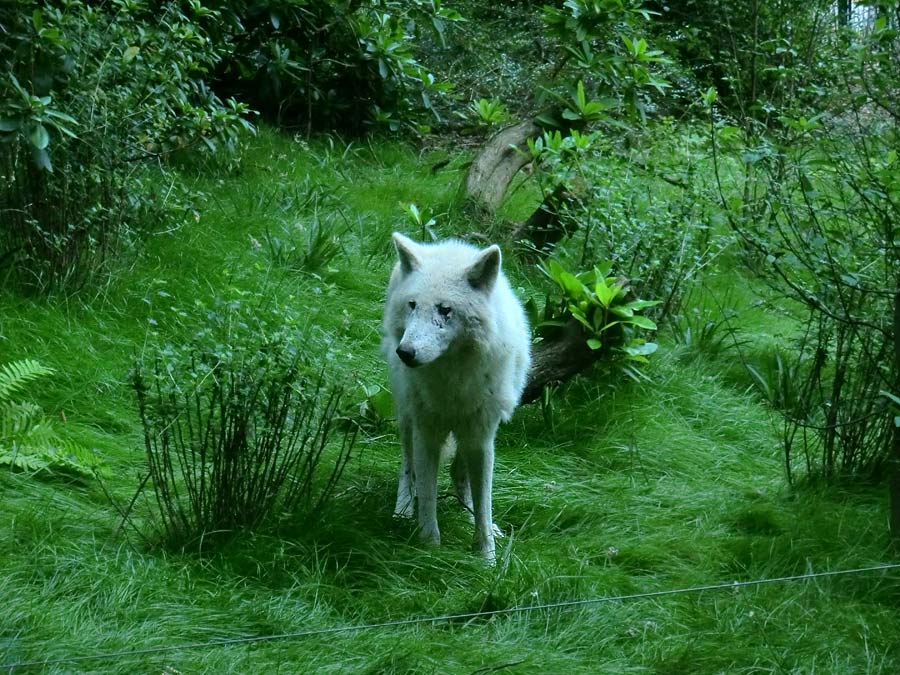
(39, 137)
(552, 323)
(622, 310)
(606, 293)
(37, 20)
(8, 124)
(594, 343)
(638, 305)
(642, 349)
(62, 116)
(892, 397)
(130, 53)
(580, 316)
(16, 374)
(572, 287)
(41, 159)
(580, 97)
(642, 322)
(383, 403)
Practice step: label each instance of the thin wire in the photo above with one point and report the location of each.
(566, 604)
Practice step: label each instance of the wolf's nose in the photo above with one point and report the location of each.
(407, 355)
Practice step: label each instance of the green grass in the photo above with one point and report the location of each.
(671, 483)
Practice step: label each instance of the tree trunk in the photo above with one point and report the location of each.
(894, 461)
(843, 13)
(497, 164)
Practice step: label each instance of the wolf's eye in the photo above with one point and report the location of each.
(412, 304)
(444, 311)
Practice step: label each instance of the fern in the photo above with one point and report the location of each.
(28, 439)
(17, 418)
(14, 376)
(23, 461)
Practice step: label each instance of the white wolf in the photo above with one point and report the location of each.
(458, 350)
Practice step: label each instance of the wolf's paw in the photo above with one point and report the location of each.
(498, 533)
(487, 551)
(405, 512)
(430, 537)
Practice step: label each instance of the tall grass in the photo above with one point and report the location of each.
(673, 482)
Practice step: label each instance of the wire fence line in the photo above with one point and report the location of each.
(443, 618)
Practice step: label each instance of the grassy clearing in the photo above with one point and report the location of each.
(675, 482)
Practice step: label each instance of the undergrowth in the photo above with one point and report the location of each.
(671, 482)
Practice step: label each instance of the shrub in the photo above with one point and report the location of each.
(816, 204)
(239, 430)
(636, 207)
(602, 305)
(330, 64)
(759, 55)
(89, 96)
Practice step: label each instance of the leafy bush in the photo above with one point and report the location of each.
(642, 211)
(816, 204)
(759, 55)
(239, 429)
(29, 441)
(88, 95)
(330, 64)
(486, 114)
(609, 315)
(606, 63)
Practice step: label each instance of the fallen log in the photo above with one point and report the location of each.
(559, 358)
(497, 164)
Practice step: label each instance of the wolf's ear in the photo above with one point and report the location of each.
(406, 248)
(484, 271)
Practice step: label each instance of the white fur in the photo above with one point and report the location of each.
(451, 312)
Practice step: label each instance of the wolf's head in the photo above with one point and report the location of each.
(438, 299)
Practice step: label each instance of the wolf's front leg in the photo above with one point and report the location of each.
(426, 458)
(479, 458)
(406, 488)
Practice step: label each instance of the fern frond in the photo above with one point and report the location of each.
(23, 461)
(66, 457)
(16, 374)
(41, 434)
(16, 418)
(76, 458)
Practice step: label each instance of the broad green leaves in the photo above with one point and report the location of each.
(601, 304)
(32, 118)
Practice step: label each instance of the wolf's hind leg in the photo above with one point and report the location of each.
(478, 452)
(459, 473)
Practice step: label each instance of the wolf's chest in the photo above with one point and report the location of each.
(459, 391)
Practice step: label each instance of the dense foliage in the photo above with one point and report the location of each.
(781, 136)
(88, 94)
(815, 202)
(96, 100)
(330, 64)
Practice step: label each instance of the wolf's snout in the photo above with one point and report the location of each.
(407, 355)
